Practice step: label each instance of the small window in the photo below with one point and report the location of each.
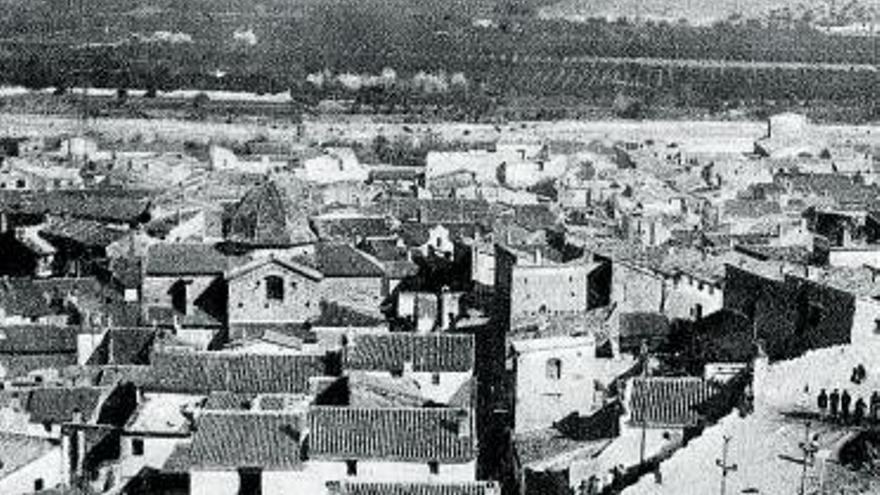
(351, 468)
(434, 467)
(38, 485)
(877, 326)
(815, 313)
(274, 288)
(435, 379)
(698, 312)
(20, 183)
(554, 369)
(137, 447)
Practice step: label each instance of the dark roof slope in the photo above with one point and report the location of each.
(104, 205)
(271, 214)
(234, 440)
(88, 233)
(417, 234)
(671, 401)
(344, 260)
(185, 258)
(411, 434)
(390, 351)
(38, 339)
(186, 371)
(58, 405)
(350, 228)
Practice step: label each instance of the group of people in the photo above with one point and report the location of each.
(839, 406)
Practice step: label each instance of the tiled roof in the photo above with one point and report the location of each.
(344, 260)
(37, 339)
(417, 488)
(125, 346)
(386, 248)
(18, 451)
(104, 205)
(272, 214)
(186, 371)
(288, 264)
(285, 334)
(748, 208)
(431, 352)
(369, 391)
(196, 317)
(338, 315)
(350, 228)
(19, 365)
(232, 440)
(228, 401)
(178, 461)
(186, 259)
(437, 210)
(57, 405)
(161, 227)
(89, 233)
(534, 217)
(32, 298)
(411, 434)
(665, 401)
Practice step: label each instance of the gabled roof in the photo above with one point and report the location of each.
(58, 405)
(201, 372)
(749, 208)
(416, 488)
(252, 439)
(671, 401)
(38, 339)
(124, 346)
(426, 352)
(408, 434)
(345, 260)
(272, 214)
(287, 264)
(186, 259)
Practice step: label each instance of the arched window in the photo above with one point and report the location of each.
(554, 369)
(274, 288)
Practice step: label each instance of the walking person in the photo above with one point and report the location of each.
(834, 401)
(845, 401)
(822, 402)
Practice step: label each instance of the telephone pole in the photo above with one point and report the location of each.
(725, 467)
(809, 449)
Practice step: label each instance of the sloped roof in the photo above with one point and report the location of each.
(418, 488)
(179, 460)
(417, 234)
(749, 208)
(670, 401)
(38, 339)
(186, 371)
(431, 352)
(186, 259)
(344, 260)
(252, 439)
(18, 365)
(93, 204)
(226, 401)
(128, 346)
(271, 214)
(366, 390)
(57, 405)
(32, 298)
(18, 451)
(89, 233)
(289, 264)
(338, 315)
(350, 228)
(408, 434)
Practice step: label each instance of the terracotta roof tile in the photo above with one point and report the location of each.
(344, 260)
(37, 339)
(186, 371)
(186, 259)
(411, 434)
(57, 405)
(665, 401)
(271, 214)
(233, 440)
(390, 351)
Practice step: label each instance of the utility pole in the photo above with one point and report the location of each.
(645, 363)
(809, 449)
(725, 467)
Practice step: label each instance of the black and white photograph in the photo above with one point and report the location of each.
(439, 247)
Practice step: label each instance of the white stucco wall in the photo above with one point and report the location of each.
(687, 293)
(866, 322)
(48, 468)
(156, 452)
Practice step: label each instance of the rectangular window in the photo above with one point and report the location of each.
(434, 467)
(351, 468)
(435, 379)
(137, 447)
(38, 485)
(877, 326)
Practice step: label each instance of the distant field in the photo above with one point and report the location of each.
(695, 11)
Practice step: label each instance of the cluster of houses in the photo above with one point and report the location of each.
(534, 318)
